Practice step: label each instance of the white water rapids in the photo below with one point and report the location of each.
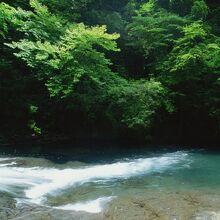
(34, 184)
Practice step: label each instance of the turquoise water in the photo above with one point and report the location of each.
(90, 185)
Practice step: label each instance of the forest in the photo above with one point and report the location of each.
(143, 70)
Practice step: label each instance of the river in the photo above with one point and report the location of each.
(167, 184)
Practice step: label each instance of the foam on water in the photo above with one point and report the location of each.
(92, 206)
(8, 164)
(38, 182)
(5, 159)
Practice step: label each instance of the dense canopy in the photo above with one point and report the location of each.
(110, 69)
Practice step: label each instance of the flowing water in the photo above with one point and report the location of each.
(146, 185)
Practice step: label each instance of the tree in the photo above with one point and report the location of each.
(153, 32)
(199, 10)
(69, 59)
(63, 66)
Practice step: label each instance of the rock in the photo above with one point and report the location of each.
(53, 214)
(207, 215)
(10, 211)
(133, 209)
(7, 206)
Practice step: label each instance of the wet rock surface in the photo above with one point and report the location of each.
(56, 215)
(207, 216)
(166, 206)
(9, 211)
(155, 206)
(7, 206)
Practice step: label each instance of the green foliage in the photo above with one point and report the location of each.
(199, 10)
(33, 109)
(147, 8)
(113, 20)
(71, 10)
(181, 7)
(68, 59)
(136, 102)
(154, 32)
(62, 62)
(65, 57)
(192, 53)
(193, 68)
(6, 16)
(34, 128)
